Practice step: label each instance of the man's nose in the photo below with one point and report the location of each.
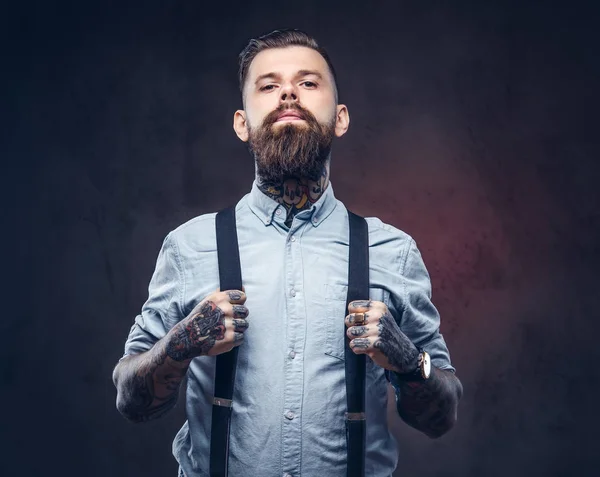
(288, 93)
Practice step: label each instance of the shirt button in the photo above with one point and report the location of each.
(287, 475)
(289, 415)
(293, 239)
(278, 212)
(292, 354)
(315, 219)
(293, 292)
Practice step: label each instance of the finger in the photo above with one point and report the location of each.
(360, 345)
(234, 311)
(236, 324)
(238, 338)
(365, 305)
(240, 311)
(357, 331)
(235, 296)
(239, 325)
(359, 306)
(233, 337)
(359, 319)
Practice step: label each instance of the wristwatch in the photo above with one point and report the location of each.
(422, 372)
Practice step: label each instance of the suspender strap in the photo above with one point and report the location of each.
(230, 278)
(358, 289)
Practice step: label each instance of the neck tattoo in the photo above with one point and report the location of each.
(295, 193)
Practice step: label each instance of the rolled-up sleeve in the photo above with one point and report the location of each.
(162, 309)
(419, 319)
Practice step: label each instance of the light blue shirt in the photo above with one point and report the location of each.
(289, 398)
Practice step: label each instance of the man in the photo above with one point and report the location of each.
(288, 321)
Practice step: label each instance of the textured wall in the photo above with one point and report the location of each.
(474, 128)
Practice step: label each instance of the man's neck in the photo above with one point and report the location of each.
(295, 193)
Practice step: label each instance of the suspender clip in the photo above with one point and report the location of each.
(355, 416)
(217, 401)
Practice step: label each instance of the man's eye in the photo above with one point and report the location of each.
(267, 87)
(310, 84)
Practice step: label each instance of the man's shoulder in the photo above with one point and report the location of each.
(381, 231)
(198, 233)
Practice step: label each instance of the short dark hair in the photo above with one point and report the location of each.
(280, 39)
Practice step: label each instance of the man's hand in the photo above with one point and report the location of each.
(374, 332)
(215, 325)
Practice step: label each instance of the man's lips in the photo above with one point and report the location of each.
(289, 116)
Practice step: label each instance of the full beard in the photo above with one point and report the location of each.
(291, 150)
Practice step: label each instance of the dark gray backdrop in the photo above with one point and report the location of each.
(473, 128)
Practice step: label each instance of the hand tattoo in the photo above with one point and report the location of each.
(240, 311)
(360, 343)
(239, 325)
(361, 303)
(197, 334)
(395, 345)
(234, 295)
(358, 330)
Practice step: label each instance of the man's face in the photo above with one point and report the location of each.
(290, 115)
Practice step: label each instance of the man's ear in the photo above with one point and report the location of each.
(342, 120)
(239, 124)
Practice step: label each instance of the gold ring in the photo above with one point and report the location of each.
(359, 318)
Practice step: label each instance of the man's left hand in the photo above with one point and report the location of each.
(379, 337)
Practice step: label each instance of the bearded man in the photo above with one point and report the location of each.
(289, 398)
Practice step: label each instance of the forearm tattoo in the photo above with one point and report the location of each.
(153, 386)
(431, 406)
(197, 334)
(145, 393)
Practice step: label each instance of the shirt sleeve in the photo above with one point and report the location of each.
(162, 310)
(420, 320)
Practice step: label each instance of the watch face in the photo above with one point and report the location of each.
(426, 365)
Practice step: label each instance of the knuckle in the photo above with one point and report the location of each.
(226, 308)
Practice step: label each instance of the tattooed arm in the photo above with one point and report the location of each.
(429, 406)
(148, 383)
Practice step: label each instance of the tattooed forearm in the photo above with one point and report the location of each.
(431, 406)
(148, 384)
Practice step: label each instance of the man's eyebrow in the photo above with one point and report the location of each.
(277, 75)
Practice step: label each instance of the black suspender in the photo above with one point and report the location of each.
(230, 278)
(358, 289)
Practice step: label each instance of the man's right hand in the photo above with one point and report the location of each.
(215, 325)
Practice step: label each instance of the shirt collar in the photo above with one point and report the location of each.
(264, 207)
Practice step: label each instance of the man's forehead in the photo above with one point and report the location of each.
(288, 60)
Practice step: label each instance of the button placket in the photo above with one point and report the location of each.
(294, 367)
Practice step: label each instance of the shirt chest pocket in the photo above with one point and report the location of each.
(335, 307)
